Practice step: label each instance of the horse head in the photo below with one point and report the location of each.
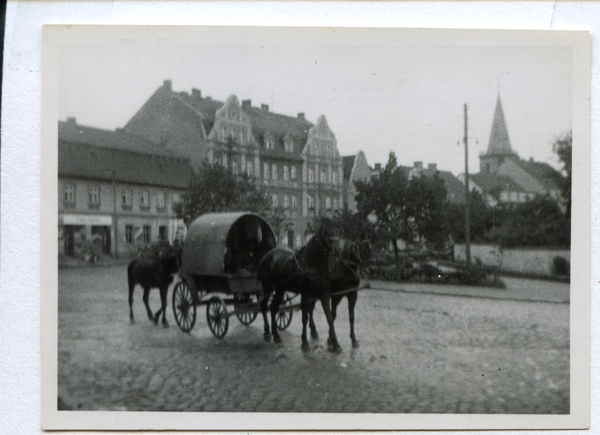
(169, 258)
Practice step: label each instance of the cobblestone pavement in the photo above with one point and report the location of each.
(421, 352)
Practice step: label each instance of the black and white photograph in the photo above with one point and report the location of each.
(314, 228)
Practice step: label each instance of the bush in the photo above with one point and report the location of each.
(560, 266)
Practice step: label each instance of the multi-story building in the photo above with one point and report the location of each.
(296, 160)
(356, 169)
(117, 187)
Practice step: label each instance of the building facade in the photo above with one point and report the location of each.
(356, 168)
(118, 197)
(296, 160)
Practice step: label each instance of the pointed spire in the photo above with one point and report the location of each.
(499, 141)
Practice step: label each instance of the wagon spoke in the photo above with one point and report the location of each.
(184, 310)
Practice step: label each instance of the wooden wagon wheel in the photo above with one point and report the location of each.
(216, 317)
(184, 308)
(284, 318)
(243, 303)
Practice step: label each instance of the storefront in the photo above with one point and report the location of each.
(77, 233)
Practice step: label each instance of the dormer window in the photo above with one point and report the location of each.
(288, 145)
(269, 143)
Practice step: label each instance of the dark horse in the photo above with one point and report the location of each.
(309, 274)
(351, 259)
(154, 269)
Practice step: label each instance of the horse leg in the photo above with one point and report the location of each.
(335, 301)
(352, 298)
(306, 313)
(163, 302)
(145, 299)
(274, 309)
(264, 308)
(313, 328)
(325, 302)
(131, 319)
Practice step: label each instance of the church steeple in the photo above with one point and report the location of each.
(499, 146)
(499, 142)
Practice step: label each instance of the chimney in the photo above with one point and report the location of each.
(378, 167)
(168, 85)
(418, 165)
(246, 104)
(72, 121)
(432, 167)
(265, 107)
(196, 93)
(301, 116)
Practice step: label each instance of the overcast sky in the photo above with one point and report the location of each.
(376, 98)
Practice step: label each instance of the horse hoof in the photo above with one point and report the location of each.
(305, 347)
(314, 335)
(166, 325)
(277, 339)
(336, 349)
(355, 344)
(267, 337)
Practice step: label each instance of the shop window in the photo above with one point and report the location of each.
(129, 233)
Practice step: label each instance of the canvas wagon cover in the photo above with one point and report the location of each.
(207, 240)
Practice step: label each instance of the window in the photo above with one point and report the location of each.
(129, 233)
(242, 137)
(94, 195)
(294, 202)
(69, 193)
(162, 232)
(224, 160)
(275, 201)
(289, 145)
(311, 205)
(144, 199)
(298, 241)
(311, 176)
(286, 173)
(126, 197)
(160, 200)
(335, 204)
(286, 201)
(327, 204)
(250, 169)
(234, 168)
(274, 171)
(266, 171)
(293, 173)
(323, 177)
(147, 234)
(334, 177)
(176, 198)
(269, 143)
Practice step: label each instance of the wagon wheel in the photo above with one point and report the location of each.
(216, 317)
(247, 317)
(184, 308)
(284, 318)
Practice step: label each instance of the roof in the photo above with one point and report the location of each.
(70, 131)
(103, 163)
(499, 142)
(543, 172)
(348, 164)
(207, 240)
(455, 189)
(261, 119)
(491, 183)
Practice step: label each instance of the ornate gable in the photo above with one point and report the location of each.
(232, 122)
(321, 141)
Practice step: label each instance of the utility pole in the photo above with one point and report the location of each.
(467, 199)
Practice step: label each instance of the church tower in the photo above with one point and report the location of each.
(499, 147)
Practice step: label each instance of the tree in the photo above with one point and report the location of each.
(563, 147)
(354, 226)
(481, 218)
(216, 189)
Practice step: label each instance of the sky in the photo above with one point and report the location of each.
(376, 97)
